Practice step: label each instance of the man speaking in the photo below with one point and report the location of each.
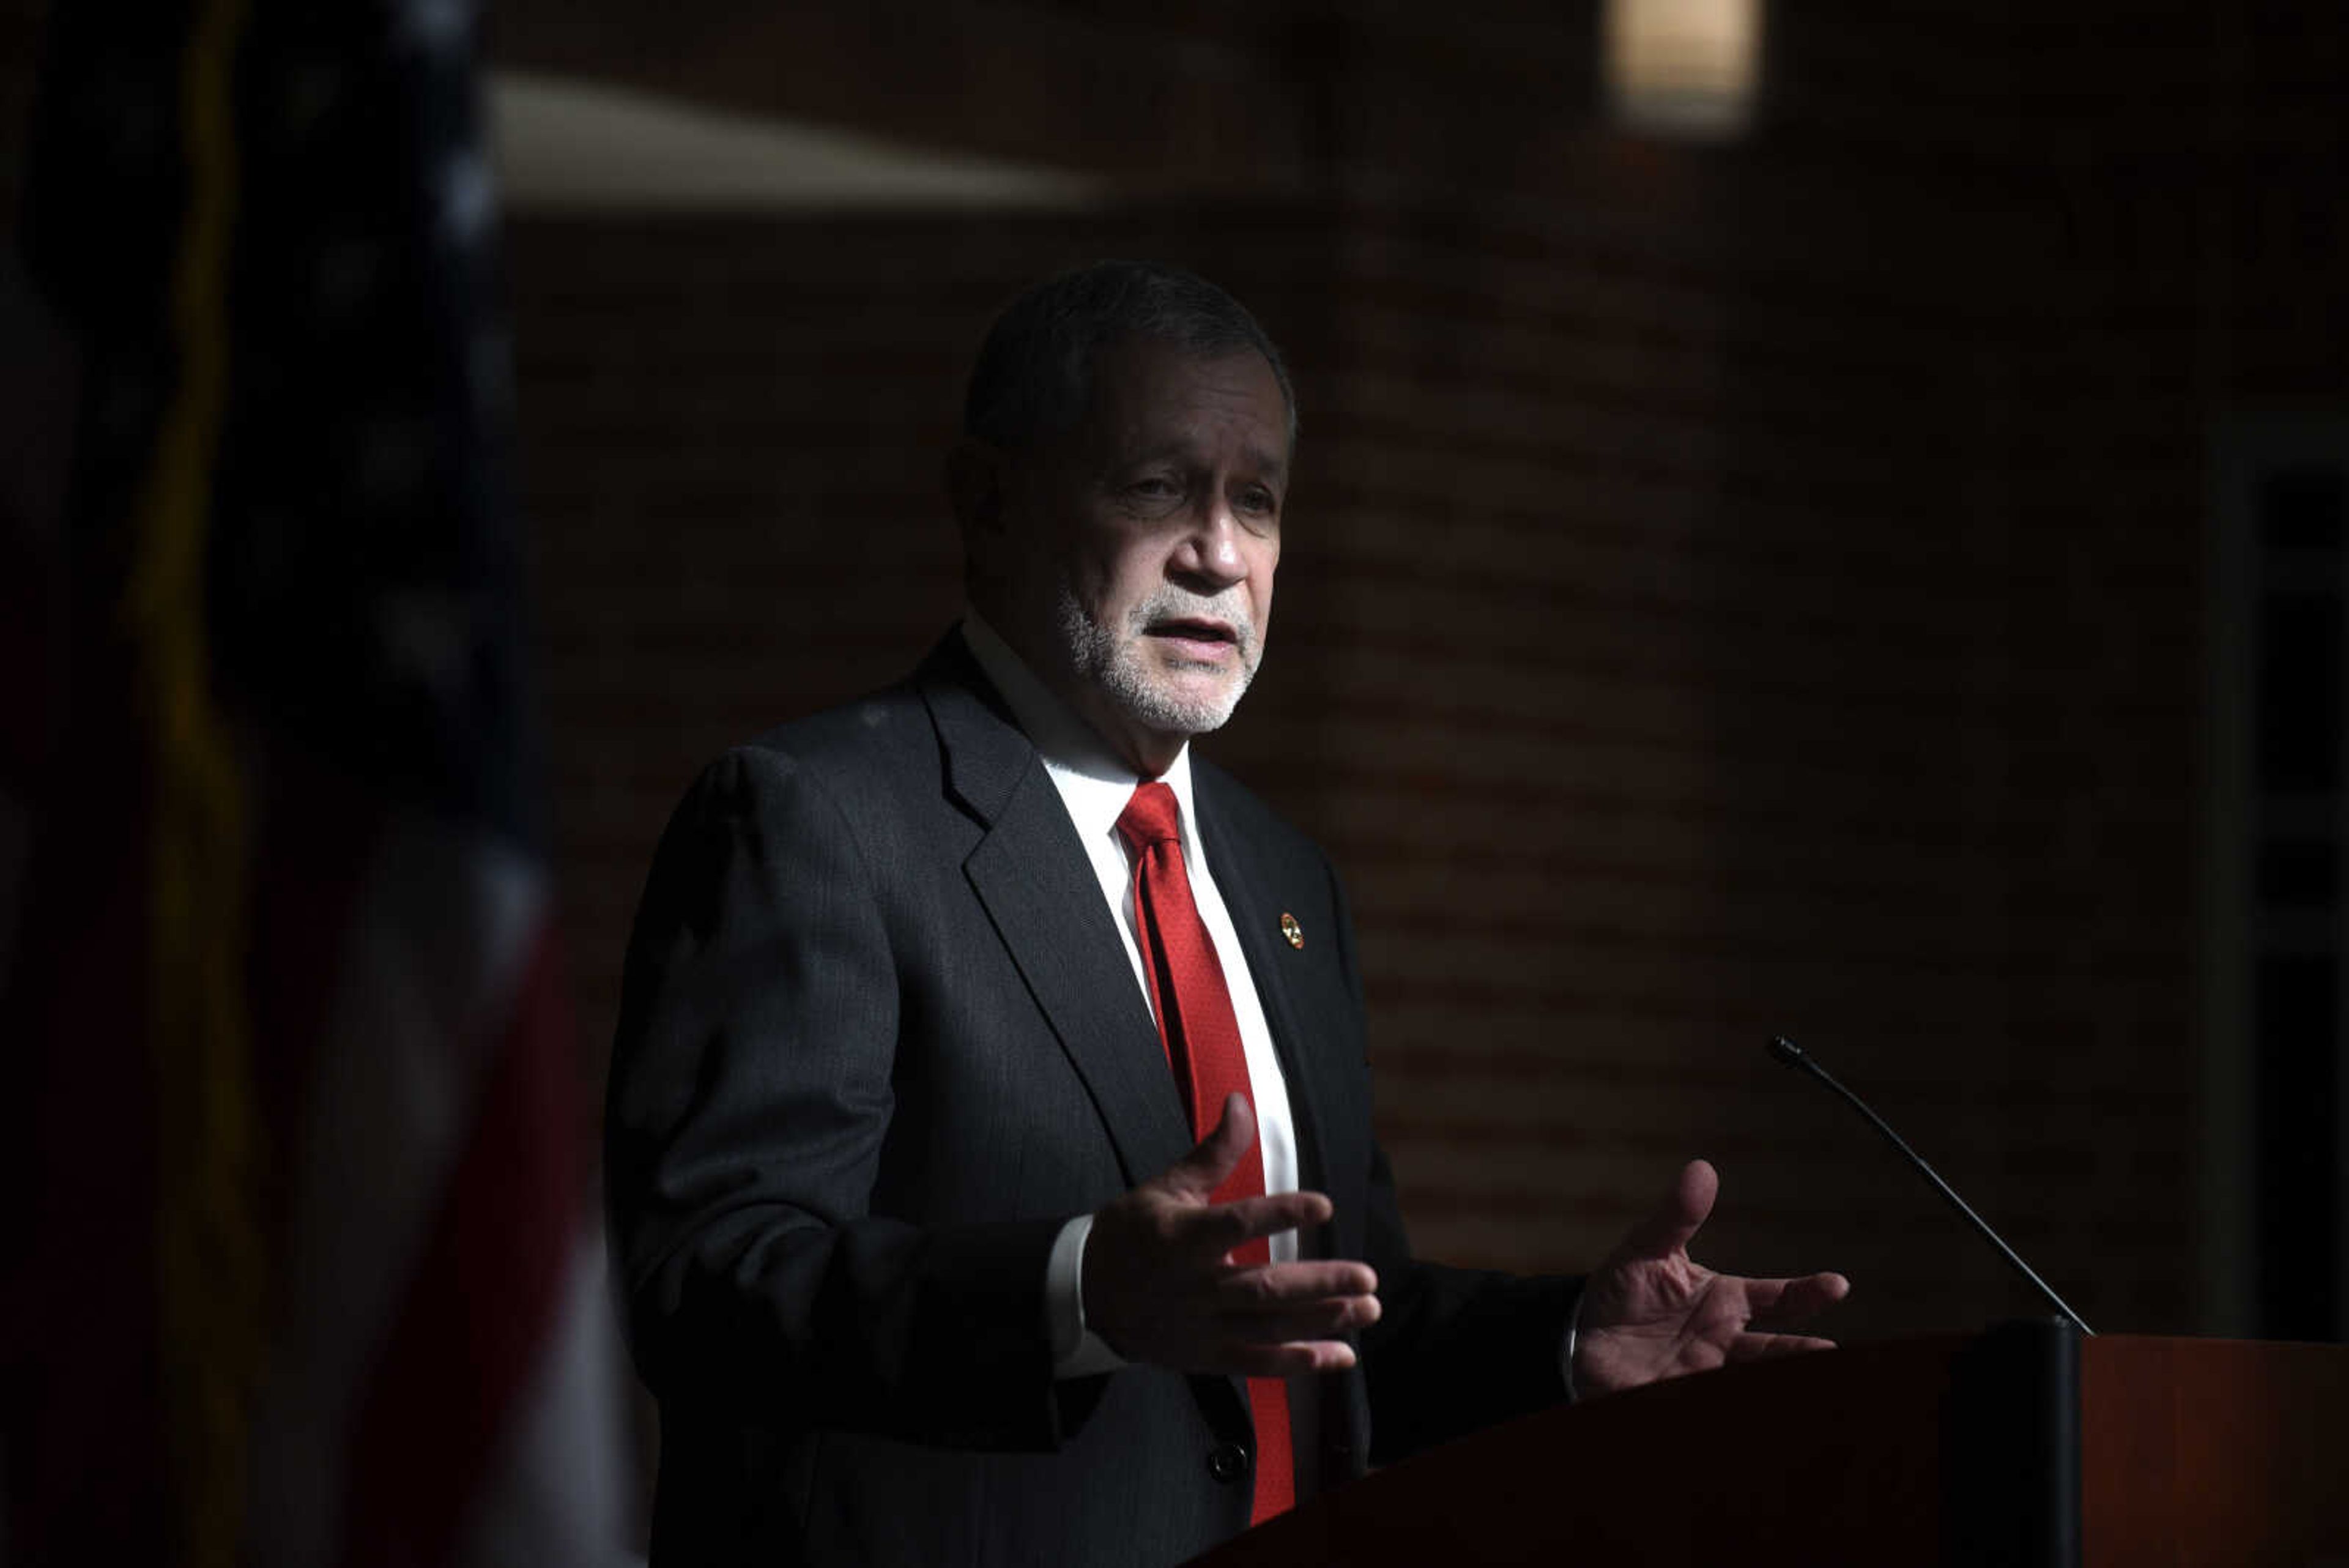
(989, 1144)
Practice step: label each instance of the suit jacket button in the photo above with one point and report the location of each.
(1228, 1462)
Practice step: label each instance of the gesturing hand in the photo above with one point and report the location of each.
(1159, 1286)
(1650, 1313)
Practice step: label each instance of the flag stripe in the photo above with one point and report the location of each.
(482, 1297)
(425, 979)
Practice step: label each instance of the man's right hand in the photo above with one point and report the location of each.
(1160, 1286)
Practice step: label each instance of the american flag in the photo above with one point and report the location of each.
(307, 1272)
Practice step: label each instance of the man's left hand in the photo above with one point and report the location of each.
(1649, 1312)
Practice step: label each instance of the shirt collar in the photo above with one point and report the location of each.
(1094, 782)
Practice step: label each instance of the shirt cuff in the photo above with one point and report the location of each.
(1077, 1351)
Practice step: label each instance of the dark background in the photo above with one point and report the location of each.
(1877, 578)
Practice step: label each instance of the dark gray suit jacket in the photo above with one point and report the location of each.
(879, 1039)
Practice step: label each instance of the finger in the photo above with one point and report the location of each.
(1212, 1232)
(1274, 1323)
(1201, 1171)
(1762, 1346)
(1270, 1283)
(1674, 1221)
(1788, 1301)
(1293, 1358)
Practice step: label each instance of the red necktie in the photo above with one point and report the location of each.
(1202, 1037)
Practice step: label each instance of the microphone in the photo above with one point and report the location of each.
(1794, 1055)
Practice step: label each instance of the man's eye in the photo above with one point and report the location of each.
(1158, 488)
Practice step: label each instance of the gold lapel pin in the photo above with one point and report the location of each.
(1291, 930)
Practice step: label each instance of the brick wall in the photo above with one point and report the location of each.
(1725, 591)
(1728, 590)
(1668, 649)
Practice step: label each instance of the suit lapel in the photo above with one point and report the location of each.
(1038, 886)
(1240, 877)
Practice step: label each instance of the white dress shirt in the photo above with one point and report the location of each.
(1095, 786)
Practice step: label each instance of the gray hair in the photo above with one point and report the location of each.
(1034, 374)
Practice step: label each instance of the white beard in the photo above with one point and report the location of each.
(1112, 658)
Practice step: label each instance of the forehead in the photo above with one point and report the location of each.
(1149, 394)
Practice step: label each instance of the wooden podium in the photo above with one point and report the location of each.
(2025, 1445)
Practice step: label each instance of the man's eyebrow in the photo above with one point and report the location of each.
(1264, 462)
(1273, 463)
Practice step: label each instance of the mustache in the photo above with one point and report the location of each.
(1170, 602)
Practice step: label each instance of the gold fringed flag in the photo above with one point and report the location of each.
(309, 1275)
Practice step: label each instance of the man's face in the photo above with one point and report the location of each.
(1141, 545)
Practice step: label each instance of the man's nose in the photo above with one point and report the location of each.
(1209, 550)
